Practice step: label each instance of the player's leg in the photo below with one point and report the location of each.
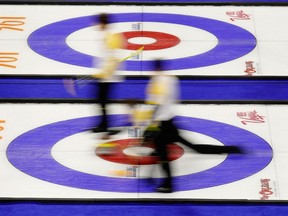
(103, 90)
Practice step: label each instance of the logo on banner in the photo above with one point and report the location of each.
(250, 68)
(238, 15)
(266, 190)
(130, 172)
(250, 117)
(1, 127)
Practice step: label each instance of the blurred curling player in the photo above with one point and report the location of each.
(162, 95)
(108, 63)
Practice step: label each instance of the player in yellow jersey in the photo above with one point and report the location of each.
(108, 63)
(163, 95)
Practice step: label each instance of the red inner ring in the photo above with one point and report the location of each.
(163, 40)
(117, 154)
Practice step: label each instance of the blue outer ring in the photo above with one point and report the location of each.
(31, 153)
(233, 41)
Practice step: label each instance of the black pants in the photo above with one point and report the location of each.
(167, 134)
(104, 89)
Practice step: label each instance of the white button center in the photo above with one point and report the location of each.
(142, 40)
(138, 151)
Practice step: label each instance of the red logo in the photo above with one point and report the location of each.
(266, 190)
(238, 15)
(250, 69)
(250, 117)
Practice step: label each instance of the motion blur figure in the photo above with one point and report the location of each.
(163, 95)
(108, 63)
